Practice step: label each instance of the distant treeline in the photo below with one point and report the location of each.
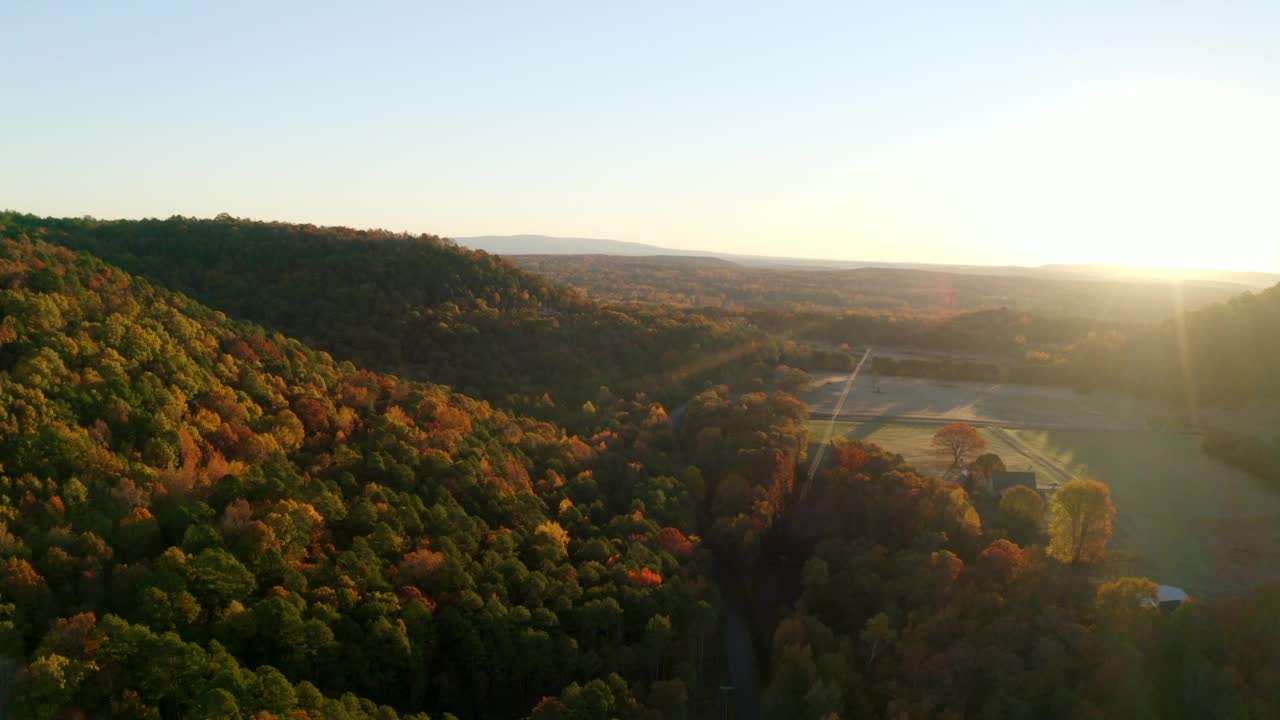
(1249, 453)
(945, 369)
(993, 331)
(707, 282)
(812, 358)
(1224, 353)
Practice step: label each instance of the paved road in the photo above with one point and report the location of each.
(739, 648)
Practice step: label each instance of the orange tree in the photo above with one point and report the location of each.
(958, 442)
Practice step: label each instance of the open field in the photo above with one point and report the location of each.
(1184, 518)
(1012, 405)
(1188, 519)
(912, 442)
(977, 402)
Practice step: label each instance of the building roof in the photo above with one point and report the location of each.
(1002, 480)
(1168, 598)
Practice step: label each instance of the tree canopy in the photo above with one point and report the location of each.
(201, 516)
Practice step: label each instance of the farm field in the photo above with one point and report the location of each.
(912, 442)
(982, 402)
(1014, 405)
(1184, 518)
(1188, 519)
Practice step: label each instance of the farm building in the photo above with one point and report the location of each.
(1169, 598)
(1003, 480)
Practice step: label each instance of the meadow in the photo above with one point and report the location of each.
(1184, 519)
(1188, 519)
(912, 442)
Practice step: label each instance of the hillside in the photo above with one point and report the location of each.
(423, 308)
(202, 518)
(1224, 352)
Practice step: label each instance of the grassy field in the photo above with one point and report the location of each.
(1188, 519)
(912, 442)
(1036, 406)
(1184, 518)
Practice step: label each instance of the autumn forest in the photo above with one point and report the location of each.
(266, 470)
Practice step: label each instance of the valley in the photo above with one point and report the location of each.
(932, 371)
(454, 482)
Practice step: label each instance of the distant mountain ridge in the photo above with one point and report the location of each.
(529, 244)
(548, 245)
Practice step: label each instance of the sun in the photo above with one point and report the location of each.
(1161, 176)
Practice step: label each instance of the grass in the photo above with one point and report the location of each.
(1188, 519)
(1184, 518)
(913, 443)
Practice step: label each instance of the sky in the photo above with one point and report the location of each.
(981, 133)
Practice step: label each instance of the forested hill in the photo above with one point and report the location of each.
(1223, 352)
(1235, 345)
(421, 307)
(202, 518)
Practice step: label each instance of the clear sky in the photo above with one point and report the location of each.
(1017, 132)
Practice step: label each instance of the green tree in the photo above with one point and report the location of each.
(218, 578)
(981, 470)
(1022, 510)
(217, 704)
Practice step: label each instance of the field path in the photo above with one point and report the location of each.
(1060, 474)
(831, 428)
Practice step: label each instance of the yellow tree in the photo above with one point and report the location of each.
(958, 442)
(1129, 605)
(1080, 523)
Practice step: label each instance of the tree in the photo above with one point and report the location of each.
(217, 704)
(1023, 511)
(957, 442)
(982, 469)
(218, 578)
(1080, 524)
(670, 698)
(877, 635)
(51, 683)
(1001, 561)
(1129, 605)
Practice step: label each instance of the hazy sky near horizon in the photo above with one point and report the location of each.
(993, 133)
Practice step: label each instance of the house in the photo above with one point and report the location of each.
(1003, 480)
(1168, 599)
(957, 475)
(1171, 597)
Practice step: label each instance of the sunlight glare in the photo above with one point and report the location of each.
(1169, 176)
